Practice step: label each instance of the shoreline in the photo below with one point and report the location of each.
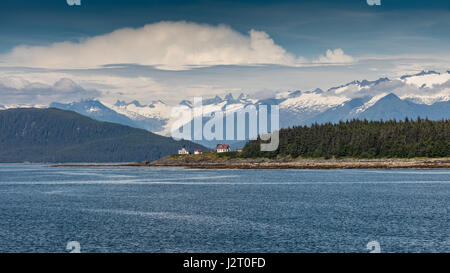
(200, 162)
(318, 166)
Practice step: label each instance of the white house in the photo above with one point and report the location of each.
(198, 152)
(183, 151)
(223, 148)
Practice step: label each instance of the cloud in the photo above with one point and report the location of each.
(166, 45)
(21, 91)
(334, 57)
(143, 83)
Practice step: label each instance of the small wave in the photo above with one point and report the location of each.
(191, 218)
(172, 182)
(57, 192)
(159, 215)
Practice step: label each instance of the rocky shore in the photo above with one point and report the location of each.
(212, 162)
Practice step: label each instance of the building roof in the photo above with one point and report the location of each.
(198, 150)
(223, 146)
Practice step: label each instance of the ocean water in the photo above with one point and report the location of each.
(125, 209)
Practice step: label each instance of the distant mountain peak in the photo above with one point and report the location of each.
(83, 103)
(294, 94)
(362, 84)
(422, 73)
(215, 100)
(124, 103)
(318, 91)
(376, 82)
(242, 96)
(186, 103)
(136, 103)
(344, 85)
(229, 96)
(390, 96)
(152, 105)
(82, 106)
(229, 99)
(120, 103)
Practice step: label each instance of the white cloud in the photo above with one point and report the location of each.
(129, 82)
(334, 57)
(20, 91)
(166, 45)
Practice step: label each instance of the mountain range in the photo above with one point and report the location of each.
(55, 135)
(425, 94)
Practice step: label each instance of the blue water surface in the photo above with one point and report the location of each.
(127, 209)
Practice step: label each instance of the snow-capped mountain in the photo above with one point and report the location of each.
(96, 110)
(425, 94)
(357, 98)
(387, 107)
(137, 111)
(111, 113)
(226, 105)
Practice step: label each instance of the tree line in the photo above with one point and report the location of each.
(361, 139)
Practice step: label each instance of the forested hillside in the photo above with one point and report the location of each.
(54, 135)
(362, 139)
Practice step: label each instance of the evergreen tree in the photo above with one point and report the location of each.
(362, 139)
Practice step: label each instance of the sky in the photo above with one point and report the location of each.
(172, 49)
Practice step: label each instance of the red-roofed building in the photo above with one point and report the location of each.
(223, 148)
(198, 152)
